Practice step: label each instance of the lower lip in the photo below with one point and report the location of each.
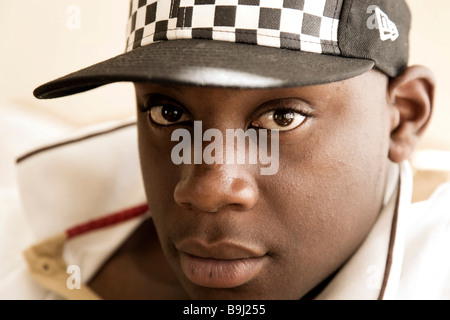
(224, 274)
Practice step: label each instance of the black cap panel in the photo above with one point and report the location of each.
(376, 30)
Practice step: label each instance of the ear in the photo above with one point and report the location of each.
(411, 97)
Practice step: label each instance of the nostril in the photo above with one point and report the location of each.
(191, 201)
(212, 194)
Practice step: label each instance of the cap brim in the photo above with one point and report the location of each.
(210, 63)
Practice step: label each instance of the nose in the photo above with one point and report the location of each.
(212, 188)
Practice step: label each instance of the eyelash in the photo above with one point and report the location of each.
(152, 102)
(301, 111)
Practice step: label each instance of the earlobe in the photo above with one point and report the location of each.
(411, 96)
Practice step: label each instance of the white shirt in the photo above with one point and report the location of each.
(96, 174)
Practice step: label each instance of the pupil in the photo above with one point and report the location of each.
(283, 118)
(171, 113)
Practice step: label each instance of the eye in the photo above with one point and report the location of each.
(280, 119)
(167, 114)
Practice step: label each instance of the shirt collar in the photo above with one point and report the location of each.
(92, 174)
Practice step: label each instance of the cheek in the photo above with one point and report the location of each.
(327, 193)
(159, 173)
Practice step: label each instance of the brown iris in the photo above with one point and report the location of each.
(283, 118)
(171, 113)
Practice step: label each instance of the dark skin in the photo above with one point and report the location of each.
(305, 221)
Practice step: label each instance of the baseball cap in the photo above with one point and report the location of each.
(251, 44)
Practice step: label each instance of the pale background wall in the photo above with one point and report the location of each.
(40, 41)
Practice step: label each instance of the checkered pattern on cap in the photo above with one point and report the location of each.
(303, 25)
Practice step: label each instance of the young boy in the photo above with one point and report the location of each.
(323, 90)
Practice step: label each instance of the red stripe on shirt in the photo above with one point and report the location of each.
(107, 221)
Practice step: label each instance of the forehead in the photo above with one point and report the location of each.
(354, 86)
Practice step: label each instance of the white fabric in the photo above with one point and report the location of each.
(427, 253)
(66, 186)
(104, 177)
(80, 181)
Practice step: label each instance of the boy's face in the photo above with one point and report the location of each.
(231, 233)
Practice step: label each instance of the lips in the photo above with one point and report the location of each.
(220, 265)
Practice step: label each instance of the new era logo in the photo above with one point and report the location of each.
(380, 20)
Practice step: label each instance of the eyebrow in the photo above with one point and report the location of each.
(173, 87)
